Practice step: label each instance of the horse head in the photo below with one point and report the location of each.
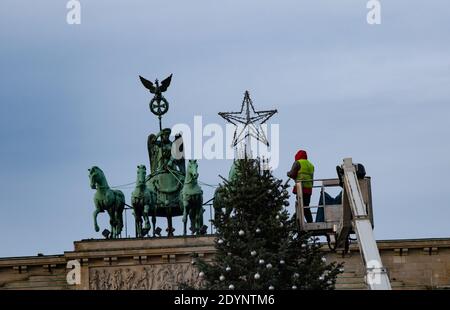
(192, 169)
(96, 176)
(141, 175)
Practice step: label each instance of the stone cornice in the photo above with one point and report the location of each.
(100, 248)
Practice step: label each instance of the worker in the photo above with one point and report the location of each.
(303, 170)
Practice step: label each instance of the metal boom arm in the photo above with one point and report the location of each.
(376, 275)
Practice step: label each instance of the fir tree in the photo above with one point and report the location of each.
(258, 245)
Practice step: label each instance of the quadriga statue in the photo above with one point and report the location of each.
(168, 177)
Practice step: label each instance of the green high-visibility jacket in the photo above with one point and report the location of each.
(306, 173)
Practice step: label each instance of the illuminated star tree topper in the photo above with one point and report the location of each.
(252, 121)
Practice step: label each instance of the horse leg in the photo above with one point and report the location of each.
(196, 220)
(136, 228)
(96, 212)
(138, 225)
(141, 228)
(113, 221)
(169, 223)
(192, 219)
(185, 205)
(146, 219)
(195, 216)
(112, 224)
(154, 223)
(184, 219)
(119, 222)
(200, 214)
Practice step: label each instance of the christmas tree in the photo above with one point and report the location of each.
(258, 245)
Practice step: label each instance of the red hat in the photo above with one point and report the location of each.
(301, 155)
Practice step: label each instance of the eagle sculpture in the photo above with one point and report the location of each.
(156, 88)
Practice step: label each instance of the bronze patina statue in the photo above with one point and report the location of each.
(106, 199)
(169, 190)
(143, 202)
(167, 174)
(167, 166)
(158, 105)
(192, 198)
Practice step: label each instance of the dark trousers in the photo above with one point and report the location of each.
(307, 211)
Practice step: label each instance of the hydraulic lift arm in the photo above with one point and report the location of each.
(376, 275)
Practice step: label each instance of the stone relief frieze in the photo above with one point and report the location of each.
(145, 277)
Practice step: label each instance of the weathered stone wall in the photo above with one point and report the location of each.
(164, 262)
(411, 264)
(38, 272)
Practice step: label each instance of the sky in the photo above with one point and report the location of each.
(70, 98)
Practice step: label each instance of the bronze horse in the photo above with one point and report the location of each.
(106, 199)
